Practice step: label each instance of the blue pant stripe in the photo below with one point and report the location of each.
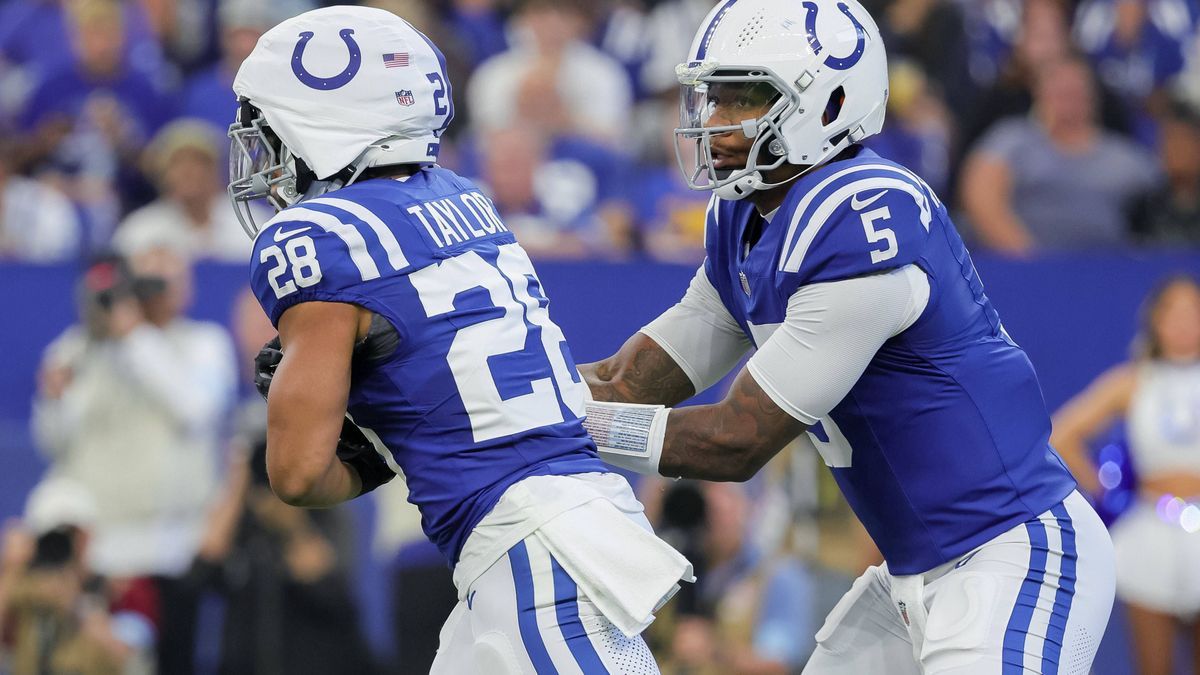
(1064, 595)
(566, 607)
(531, 635)
(1022, 614)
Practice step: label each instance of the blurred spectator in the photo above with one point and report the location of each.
(130, 404)
(208, 94)
(755, 607)
(991, 27)
(57, 616)
(479, 25)
(1158, 541)
(932, 34)
(645, 37)
(1186, 85)
(1055, 179)
(917, 130)
(1171, 215)
(134, 103)
(668, 215)
(32, 33)
(88, 120)
(422, 586)
(1041, 35)
(1136, 46)
(193, 213)
(37, 223)
(284, 572)
(564, 198)
(551, 75)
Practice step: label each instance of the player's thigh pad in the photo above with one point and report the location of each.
(461, 650)
(525, 615)
(863, 633)
(1035, 599)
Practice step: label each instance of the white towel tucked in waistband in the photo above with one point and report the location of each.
(617, 561)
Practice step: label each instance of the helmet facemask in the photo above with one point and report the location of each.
(260, 167)
(704, 87)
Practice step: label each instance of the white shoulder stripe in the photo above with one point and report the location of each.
(921, 181)
(795, 259)
(812, 194)
(387, 238)
(347, 233)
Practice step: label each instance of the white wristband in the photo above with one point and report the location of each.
(628, 435)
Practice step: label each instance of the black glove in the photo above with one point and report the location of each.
(355, 449)
(265, 364)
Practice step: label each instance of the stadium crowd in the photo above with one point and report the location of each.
(1048, 124)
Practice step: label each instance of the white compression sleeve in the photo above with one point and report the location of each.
(700, 334)
(831, 332)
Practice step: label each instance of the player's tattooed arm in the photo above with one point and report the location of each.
(640, 372)
(730, 440)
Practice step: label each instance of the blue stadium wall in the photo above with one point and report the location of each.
(1074, 314)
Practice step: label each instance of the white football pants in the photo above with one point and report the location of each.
(525, 615)
(1036, 599)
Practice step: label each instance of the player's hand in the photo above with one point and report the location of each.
(265, 364)
(355, 449)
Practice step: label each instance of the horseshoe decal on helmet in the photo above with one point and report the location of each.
(327, 83)
(835, 62)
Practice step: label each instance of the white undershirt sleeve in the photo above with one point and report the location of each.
(700, 334)
(830, 334)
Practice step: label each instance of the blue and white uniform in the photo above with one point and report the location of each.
(478, 409)
(872, 327)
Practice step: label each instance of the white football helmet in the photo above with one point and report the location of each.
(803, 58)
(328, 94)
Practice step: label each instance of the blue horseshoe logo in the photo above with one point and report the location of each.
(835, 62)
(327, 83)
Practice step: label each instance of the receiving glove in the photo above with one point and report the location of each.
(353, 447)
(265, 364)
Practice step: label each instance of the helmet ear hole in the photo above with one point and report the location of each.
(833, 107)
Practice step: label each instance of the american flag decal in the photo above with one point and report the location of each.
(397, 60)
(405, 97)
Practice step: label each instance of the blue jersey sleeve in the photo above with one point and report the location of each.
(304, 255)
(853, 224)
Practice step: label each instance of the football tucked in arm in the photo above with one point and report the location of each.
(353, 447)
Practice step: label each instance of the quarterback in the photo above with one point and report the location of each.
(415, 341)
(876, 345)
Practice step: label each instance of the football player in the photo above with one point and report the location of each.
(415, 341)
(876, 346)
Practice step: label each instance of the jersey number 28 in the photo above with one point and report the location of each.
(298, 254)
(507, 283)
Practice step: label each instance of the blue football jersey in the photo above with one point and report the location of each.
(942, 444)
(482, 390)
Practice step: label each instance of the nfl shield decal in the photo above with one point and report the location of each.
(405, 97)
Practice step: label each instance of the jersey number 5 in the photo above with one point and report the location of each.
(298, 254)
(878, 234)
(507, 284)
